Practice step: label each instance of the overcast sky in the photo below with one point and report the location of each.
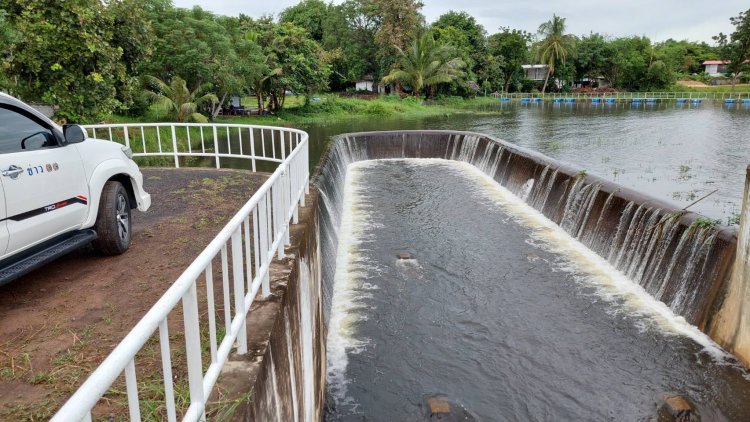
(695, 20)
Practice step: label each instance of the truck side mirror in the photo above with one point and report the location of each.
(74, 134)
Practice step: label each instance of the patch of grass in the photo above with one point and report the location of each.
(705, 223)
(31, 412)
(6, 374)
(552, 146)
(738, 88)
(734, 219)
(330, 108)
(63, 358)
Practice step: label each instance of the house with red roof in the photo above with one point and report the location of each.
(716, 67)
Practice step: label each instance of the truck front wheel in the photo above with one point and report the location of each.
(113, 220)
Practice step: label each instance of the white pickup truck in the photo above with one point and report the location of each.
(60, 191)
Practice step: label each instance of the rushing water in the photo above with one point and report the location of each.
(676, 153)
(501, 311)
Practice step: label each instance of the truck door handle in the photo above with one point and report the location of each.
(13, 172)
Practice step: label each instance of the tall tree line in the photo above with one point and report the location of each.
(97, 57)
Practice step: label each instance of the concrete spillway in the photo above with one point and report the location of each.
(676, 256)
(641, 255)
(731, 324)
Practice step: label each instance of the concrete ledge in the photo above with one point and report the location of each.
(282, 377)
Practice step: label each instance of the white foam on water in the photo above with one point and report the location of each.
(589, 268)
(349, 286)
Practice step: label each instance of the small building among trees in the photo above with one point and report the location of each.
(716, 67)
(367, 83)
(535, 72)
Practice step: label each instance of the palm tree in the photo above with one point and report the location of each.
(181, 103)
(262, 85)
(425, 64)
(554, 46)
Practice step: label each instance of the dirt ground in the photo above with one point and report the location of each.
(692, 84)
(61, 321)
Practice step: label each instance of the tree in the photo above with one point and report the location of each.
(591, 55)
(307, 14)
(65, 56)
(462, 31)
(399, 22)
(685, 57)
(8, 39)
(555, 45)
(509, 49)
(735, 48)
(131, 33)
(181, 103)
(300, 60)
(634, 65)
(354, 38)
(205, 48)
(425, 64)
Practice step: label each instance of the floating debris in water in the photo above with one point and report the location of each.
(405, 255)
(439, 408)
(677, 408)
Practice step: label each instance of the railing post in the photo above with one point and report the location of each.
(216, 147)
(166, 361)
(239, 289)
(131, 385)
(279, 219)
(127, 137)
(193, 346)
(252, 147)
(265, 218)
(174, 147)
(306, 166)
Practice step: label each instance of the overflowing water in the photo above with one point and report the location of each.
(502, 310)
(676, 153)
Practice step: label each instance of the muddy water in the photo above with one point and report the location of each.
(500, 311)
(676, 153)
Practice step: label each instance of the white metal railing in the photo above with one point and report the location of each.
(244, 248)
(630, 95)
(201, 140)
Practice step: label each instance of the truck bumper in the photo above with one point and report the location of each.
(144, 201)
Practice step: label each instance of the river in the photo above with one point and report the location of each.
(678, 153)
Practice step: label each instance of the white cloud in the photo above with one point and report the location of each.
(696, 20)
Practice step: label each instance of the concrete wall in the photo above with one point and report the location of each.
(731, 325)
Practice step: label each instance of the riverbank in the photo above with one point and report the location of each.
(329, 108)
(63, 319)
(333, 108)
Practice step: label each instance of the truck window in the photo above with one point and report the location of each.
(19, 132)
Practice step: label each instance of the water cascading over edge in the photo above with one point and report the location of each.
(669, 252)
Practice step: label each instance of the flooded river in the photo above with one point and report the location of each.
(676, 153)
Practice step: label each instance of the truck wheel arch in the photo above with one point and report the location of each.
(105, 172)
(128, 184)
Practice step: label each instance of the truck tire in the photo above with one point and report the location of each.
(113, 226)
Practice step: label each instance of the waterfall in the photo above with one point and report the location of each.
(652, 243)
(526, 189)
(539, 196)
